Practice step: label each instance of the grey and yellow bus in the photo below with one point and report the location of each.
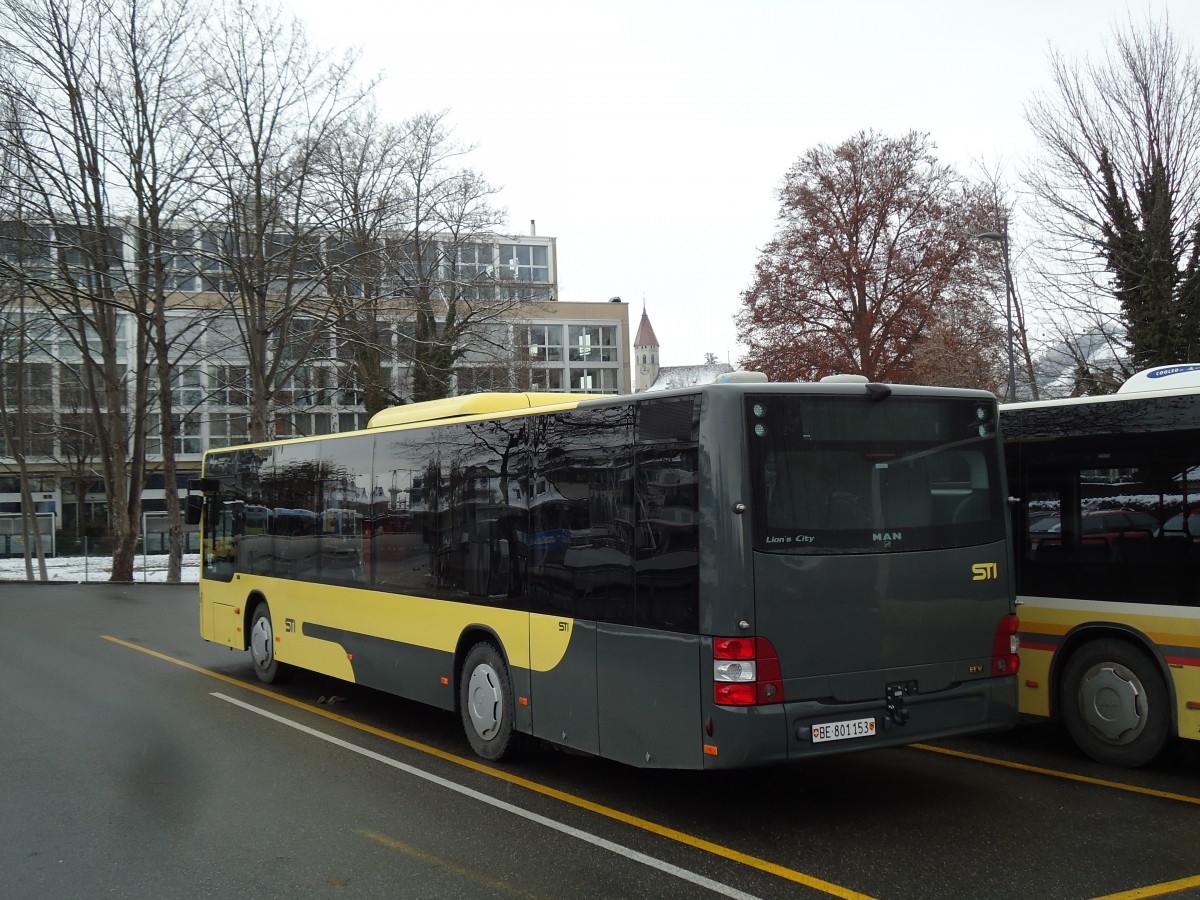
(1107, 545)
(732, 575)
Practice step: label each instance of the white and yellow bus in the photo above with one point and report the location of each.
(1107, 544)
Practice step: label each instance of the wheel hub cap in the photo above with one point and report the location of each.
(485, 701)
(260, 643)
(1113, 703)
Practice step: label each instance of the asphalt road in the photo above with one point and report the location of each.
(138, 761)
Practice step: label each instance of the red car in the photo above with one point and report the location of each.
(1103, 526)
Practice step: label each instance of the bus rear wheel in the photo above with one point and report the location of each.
(1114, 704)
(262, 647)
(486, 702)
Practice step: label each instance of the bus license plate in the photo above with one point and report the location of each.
(841, 731)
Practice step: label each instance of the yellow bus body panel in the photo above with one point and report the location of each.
(536, 642)
(1173, 630)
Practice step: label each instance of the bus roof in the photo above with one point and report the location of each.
(1159, 381)
(1163, 378)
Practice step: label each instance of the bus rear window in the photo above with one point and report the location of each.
(839, 474)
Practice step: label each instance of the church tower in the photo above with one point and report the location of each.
(645, 354)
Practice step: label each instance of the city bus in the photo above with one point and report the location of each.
(1107, 545)
(730, 575)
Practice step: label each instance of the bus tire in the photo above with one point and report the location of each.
(1115, 704)
(486, 702)
(267, 666)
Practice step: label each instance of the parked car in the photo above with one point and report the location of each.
(1184, 524)
(1103, 526)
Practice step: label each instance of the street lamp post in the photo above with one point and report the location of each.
(1002, 237)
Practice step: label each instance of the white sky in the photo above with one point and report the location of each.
(650, 136)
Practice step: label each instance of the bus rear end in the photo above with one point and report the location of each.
(876, 603)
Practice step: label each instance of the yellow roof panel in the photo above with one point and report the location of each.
(472, 405)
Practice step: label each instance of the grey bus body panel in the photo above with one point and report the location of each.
(564, 698)
(635, 686)
(846, 626)
(860, 631)
(650, 701)
(726, 577)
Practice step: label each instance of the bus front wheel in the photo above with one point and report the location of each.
(262, 647)
(1114, 703)
(486, 702)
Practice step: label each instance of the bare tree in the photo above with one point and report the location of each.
(17, 421)
(1008, 259)
(361, 189)
(60, 153)
(414, 232)
(440, 259)
(272, 104)
(155, 56)
(1118, 180)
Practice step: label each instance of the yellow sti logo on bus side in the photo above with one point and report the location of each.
(984, 571)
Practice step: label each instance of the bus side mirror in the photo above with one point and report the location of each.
(195, 501)
(195, 504)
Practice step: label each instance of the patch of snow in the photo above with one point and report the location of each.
(99, 568)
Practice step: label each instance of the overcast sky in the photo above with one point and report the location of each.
(650, 137)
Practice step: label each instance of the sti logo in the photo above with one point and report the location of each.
(984, 571)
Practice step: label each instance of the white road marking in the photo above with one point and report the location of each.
(596, 841)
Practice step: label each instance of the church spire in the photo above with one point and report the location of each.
(645, 334)
(645, 353)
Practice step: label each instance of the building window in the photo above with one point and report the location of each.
(469, 271)
(187, 388)
(188, 438)
(521, 262)
(594, 381)
(70, 387)
(537, 379)
(544, 343)
(592, 343)
(351, 421)
(349, 390)
(477, 379)
(228, 429)
(231, 385)
(37, 388)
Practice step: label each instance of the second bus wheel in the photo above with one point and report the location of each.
(262, 647)
(1115, 704)
(486, 702)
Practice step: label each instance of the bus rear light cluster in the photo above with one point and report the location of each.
(1005, 660)
(746, 672)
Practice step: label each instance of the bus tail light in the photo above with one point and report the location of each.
(1004, 649)
(746, 672)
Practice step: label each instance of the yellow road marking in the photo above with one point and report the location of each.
(1155, 890)
(408, 850)
(663, 831)
(1067, 776)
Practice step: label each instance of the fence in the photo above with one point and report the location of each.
(90, 559)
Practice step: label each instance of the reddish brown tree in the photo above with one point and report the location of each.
(874, 270)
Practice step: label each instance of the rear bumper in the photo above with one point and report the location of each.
(745, 736)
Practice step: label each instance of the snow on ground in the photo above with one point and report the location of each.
(98, 568)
